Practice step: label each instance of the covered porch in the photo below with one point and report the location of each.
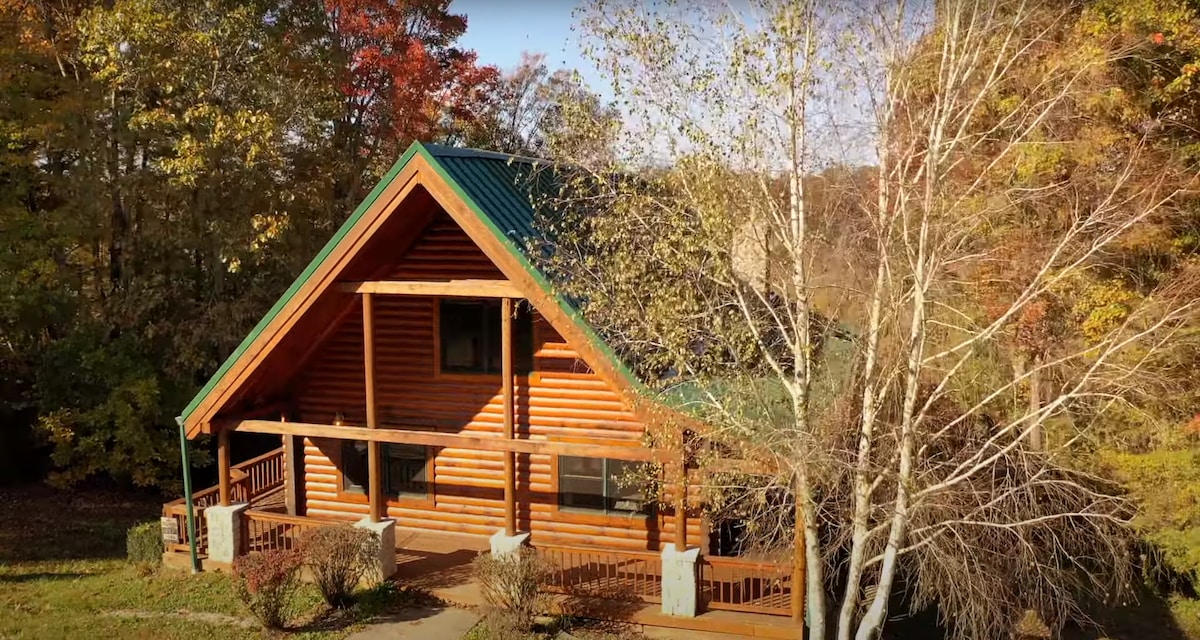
(258, 505)
(736, 596)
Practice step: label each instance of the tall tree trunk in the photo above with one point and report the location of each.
(801, 42)
(1035, 404)
(1033, 394)
(118, 223)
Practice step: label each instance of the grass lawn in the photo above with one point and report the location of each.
(62, 575)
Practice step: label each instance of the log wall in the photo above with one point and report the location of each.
(562, 399)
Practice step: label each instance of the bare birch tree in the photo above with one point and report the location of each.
(846, 334)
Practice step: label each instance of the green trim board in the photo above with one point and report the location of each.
(496, 188)
(297, 284)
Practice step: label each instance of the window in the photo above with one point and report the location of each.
(404, 469)
(598, 484)
(354, 466)
(728, 538)
(469, 332)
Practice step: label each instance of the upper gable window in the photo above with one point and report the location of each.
(470, 342)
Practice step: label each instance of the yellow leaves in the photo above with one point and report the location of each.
(1103, 307)
(267, 227)
(57, 426)
(1037, 159)
(212, 137)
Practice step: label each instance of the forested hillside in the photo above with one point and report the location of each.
(166, 168)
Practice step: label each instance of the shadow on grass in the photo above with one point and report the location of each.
(46, 524)
(383, 603)
(36, 577)
(342, 619)
(1148, 618)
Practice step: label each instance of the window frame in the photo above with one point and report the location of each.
(524, 365)
(649, 511)
(387, 456)
(358, 495)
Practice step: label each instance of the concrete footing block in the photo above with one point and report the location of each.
(224, 531)
(385, 552)
(680, 595)
(503, 545)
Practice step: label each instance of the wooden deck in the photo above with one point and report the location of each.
(441, 563)
(738, 596)
(435, 560)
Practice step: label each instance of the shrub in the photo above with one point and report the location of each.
(266, 582)
(502, 625)
(514, 586)
(339, 556)
(143, 543)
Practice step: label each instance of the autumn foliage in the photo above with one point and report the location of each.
(399, 74)
(165, 170)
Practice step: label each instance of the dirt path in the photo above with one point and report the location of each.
(198, 616)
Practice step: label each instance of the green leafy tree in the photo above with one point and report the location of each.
(168, 167)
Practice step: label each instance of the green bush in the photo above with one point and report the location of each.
(143, 543)
(267, 582)
(339, 556)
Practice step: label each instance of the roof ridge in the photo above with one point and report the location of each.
(443, 151)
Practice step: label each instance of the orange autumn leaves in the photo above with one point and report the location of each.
(402, 78)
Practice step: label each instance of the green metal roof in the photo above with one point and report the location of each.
(498, 188)
(502, 190)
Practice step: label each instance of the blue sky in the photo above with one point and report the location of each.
(499, 30)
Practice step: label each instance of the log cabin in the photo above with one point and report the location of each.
(423, 375)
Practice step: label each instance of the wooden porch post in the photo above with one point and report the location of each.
(681, 499)
(506, 367)
(223, 466)
(293, 474)
(374, 459)
(799, 568)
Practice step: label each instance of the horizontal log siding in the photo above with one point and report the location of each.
(444, 252)
(562, 400)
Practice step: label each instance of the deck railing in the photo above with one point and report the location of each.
(604, 573)
(177, 511)
(252, 479)
(264, 531)
(738, 584)
(258, 476)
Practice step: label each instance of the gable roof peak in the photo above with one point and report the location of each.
(491, 191)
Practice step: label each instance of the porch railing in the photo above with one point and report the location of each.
(738, 584)
(252, 479)
(177, 511)
(257, 476)
(262, 530)
(604, 573)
